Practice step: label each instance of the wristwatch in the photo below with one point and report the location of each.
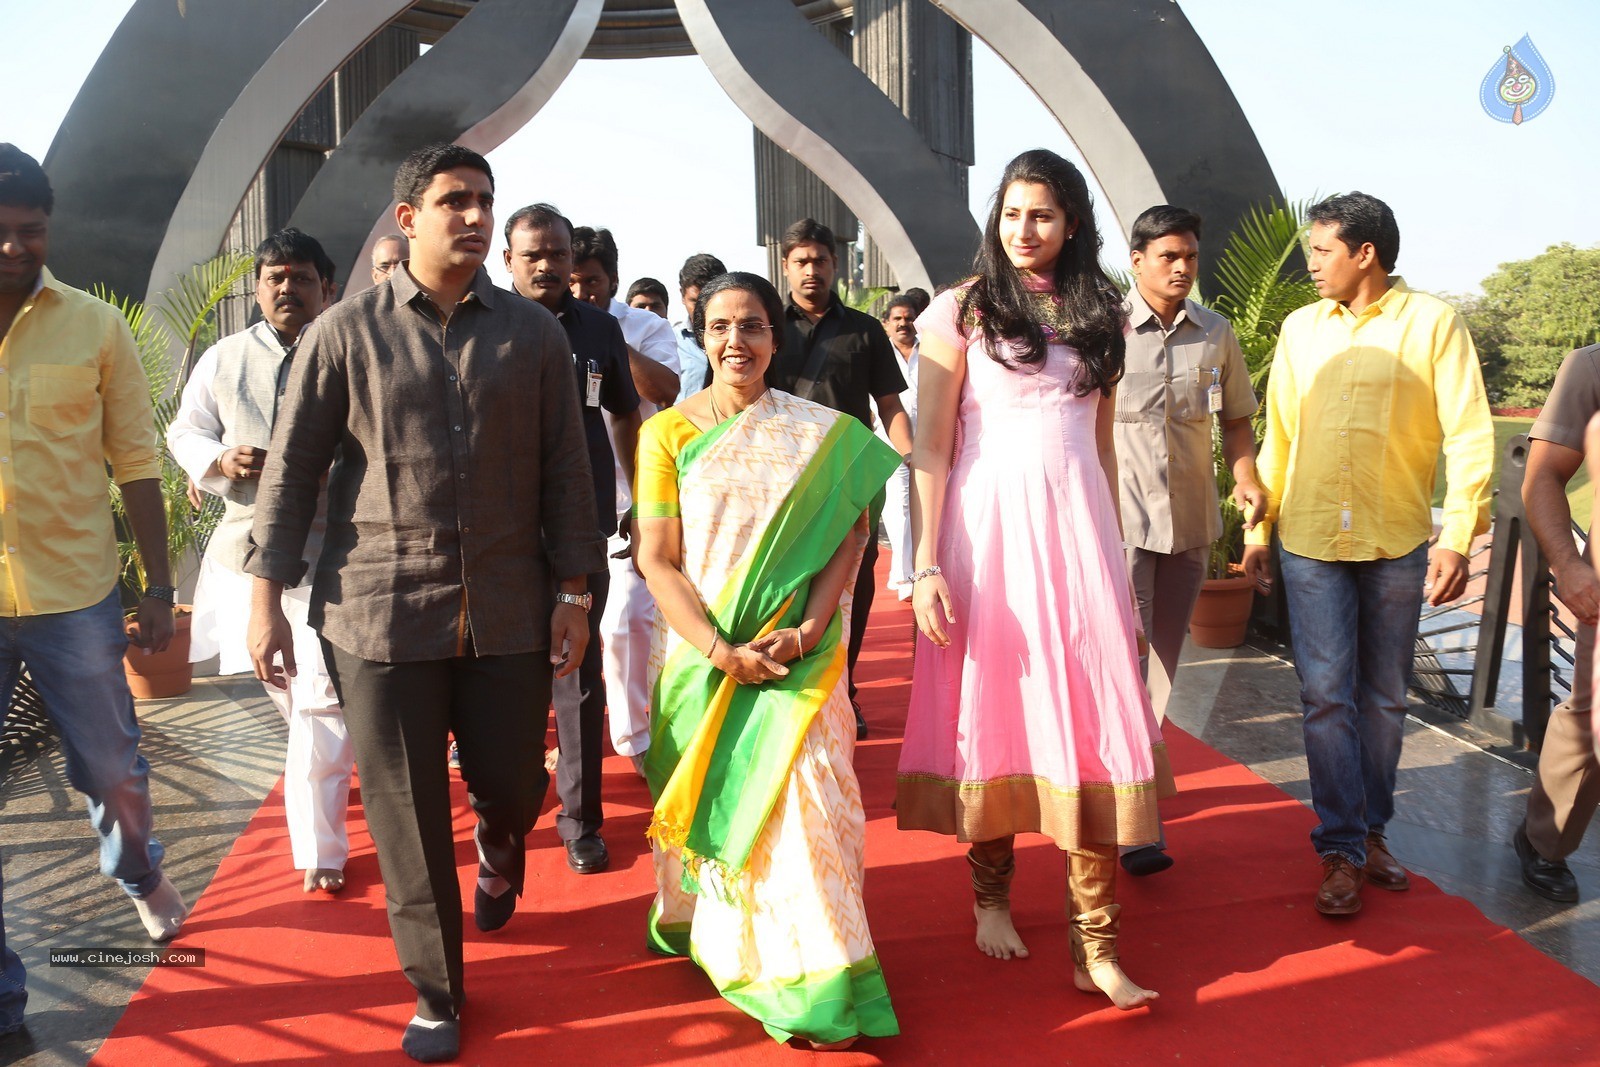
(161, 592)
(583, 600)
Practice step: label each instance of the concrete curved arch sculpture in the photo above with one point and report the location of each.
(501, 49)
(254, 124)
(149, 162)
(114, 148)
(813, 102)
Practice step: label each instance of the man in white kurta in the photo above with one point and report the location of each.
(900, 322)
(219, 436)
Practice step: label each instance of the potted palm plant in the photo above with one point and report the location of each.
(187, 311)
(1259, 285)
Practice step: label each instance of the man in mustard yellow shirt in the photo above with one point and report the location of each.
(73, 398)
(1368, 385)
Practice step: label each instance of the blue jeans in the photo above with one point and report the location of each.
(1354, 627)
(75, 661)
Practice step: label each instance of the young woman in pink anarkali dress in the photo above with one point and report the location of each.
(1027, 712)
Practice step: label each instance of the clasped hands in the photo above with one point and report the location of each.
(760, 660)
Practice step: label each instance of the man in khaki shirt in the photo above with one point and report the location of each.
(1183, 366)
(1567, 790)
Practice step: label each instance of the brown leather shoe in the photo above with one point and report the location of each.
(1381, 869)
(1341, 886)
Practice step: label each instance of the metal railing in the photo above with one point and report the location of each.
(1547, 665)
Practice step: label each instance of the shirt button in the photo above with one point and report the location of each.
(466, 529)
(452, 377)
(2, 414)
(462, 476)
(11, 548)
(1345, 467)
(1349, 362)
(1343, 434)
(5, 459)
(1345, 397)
(458, 429)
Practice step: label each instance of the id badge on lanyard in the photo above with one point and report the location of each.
(1214, 391)
(592, 378)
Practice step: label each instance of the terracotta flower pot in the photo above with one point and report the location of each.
(162, 674)
(1222, 614)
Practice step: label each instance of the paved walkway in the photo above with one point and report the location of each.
(216, 752)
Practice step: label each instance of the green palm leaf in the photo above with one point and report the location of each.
(189, 307)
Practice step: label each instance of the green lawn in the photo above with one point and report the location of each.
(1579, 491)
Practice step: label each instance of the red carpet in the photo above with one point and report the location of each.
(1248, 971)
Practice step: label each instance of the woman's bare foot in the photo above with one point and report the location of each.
(996, 936)
(324, 878)
(831, 1046)
(1108, 978)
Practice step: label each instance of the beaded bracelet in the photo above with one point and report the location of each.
(926, 572)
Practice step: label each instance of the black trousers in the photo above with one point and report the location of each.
(580, 701)
(861, 604)
(398, 715)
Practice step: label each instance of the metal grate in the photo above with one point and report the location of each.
(28, 732)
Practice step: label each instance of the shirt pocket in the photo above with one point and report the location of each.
(1141, 396)
(61, 400)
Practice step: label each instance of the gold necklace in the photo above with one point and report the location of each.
(717, 414)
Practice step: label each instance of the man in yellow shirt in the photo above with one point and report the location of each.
(73, 399)
(1367, 386)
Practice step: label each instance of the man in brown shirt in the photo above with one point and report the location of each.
(1183, 367)
(459, 496)
(1567, 789)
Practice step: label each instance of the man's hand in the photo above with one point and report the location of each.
(1447, 576)
(1258, 567)
(1250, 499)
(269, 637)
(152, 627)
(569, 638)
(242, 462)
(196, 501)
(1579, 590)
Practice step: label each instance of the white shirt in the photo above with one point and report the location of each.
(908, 399)
(651, 336)
(692, 359)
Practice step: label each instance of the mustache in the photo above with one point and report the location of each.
(546, 279)
(288, 302)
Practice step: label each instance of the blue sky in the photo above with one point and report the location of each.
(1378, 96)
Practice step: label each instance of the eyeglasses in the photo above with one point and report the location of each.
(723, 330)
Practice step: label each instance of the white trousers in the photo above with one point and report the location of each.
(626, 629)
(316, 781)
(897, 524)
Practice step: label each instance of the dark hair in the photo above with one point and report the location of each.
(293, 246)
(1362, 219)
(1088, 308)
(699, 269)
(590, 243)
(744, 282)
(807, 232)
(919, 298)
(23, 182)
(904, 300)
(536, 217)
(416, 173)
(651, 287)
(1160, 221)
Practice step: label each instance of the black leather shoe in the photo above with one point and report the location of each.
(1142, 862)
(491, 913)
(587, 855)
(1551, 879)
(861, 721)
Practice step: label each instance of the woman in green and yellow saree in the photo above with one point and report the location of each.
(751, 517)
